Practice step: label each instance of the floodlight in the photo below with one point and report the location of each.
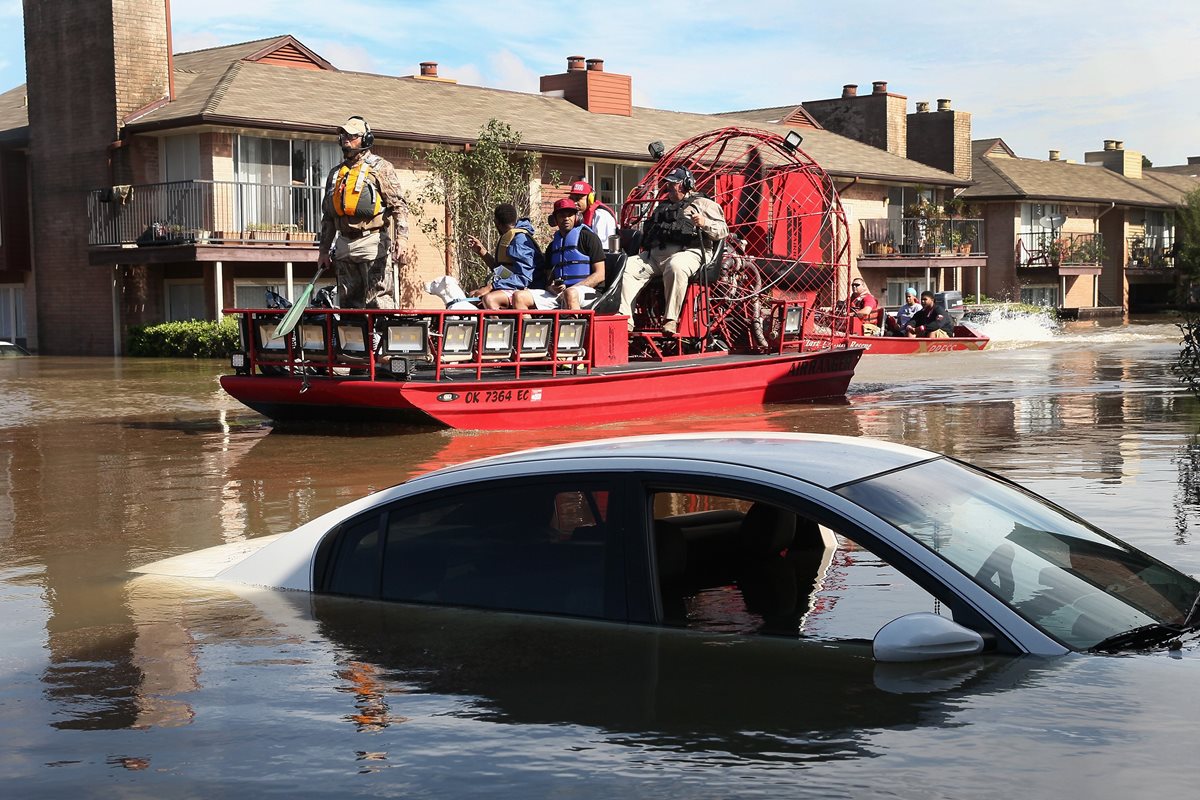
(791, 323)
(657, 150)
(792, 140)
(535, 338)
(498, 337)
(571, 333)
(410, 336)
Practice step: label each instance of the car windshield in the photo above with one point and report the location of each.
(1073, 581)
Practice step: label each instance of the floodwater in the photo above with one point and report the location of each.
(116, 686)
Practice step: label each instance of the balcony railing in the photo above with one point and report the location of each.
(181, 212)
(1058, 249)
(1151, 252)
(917, 236)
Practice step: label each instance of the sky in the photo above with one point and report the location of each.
(1041, 74)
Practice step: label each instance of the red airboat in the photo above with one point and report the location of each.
(756, 325)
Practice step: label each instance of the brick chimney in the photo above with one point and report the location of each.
(591, 88)
(941, 140)
(429, 72)
(877, 119)
(1115, 157)
(1193, 160)
(88, 66)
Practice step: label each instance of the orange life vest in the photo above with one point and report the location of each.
(354, 193)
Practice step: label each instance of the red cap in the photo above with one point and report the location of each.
(567, 205)
(580, 187)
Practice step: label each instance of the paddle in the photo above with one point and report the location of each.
(292, 317)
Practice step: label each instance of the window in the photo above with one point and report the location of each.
(613, 182)
(275, 173)
(1074, 582)
(732, 565)
(185, 301)
(251, 294)
(180, 157)
(897, 286)
(551, 546)
(1040, 296)
(12, 313)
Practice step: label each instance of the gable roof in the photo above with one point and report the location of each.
(782, 115)
(991, 147)
(1009, 177)
(256, 95)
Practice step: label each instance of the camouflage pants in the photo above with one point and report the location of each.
(365, 275)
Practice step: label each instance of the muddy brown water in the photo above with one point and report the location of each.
(111, 685)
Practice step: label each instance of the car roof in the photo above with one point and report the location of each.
(820, 459)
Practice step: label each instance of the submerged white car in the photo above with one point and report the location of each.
(762, 533)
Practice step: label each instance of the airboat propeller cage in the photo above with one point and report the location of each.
(781, 206)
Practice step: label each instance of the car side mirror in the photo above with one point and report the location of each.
(924, 637)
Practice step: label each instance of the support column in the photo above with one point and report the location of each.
(218, 288)
(287, 272)
(116, 309)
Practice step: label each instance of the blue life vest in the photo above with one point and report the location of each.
(568, 262)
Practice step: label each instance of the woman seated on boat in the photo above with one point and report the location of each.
(898, 325)
(932, 321)
(576, 261)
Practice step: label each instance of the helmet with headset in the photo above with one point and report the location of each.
(357, 126)
(683, 176)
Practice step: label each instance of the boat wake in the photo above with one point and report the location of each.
(1009, 328)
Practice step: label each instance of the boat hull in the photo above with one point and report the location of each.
(611, 395)
(963, 339)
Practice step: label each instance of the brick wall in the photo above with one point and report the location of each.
(941, 139)
(1001, 222)
(877, 119)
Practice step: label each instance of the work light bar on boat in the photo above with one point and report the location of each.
(410, 337)
(312, 338)
(793, 320)
(352, 339)
(535, 338)
(498, 337)
(571, 334)
(458, 339)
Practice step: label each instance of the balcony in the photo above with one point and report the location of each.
(914, 239)
(202, 220)
(1069, 253)
(1151, 253)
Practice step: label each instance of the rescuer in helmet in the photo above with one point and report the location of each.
(364, 222)
(677, 239)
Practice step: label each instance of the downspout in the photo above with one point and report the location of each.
(170, 53)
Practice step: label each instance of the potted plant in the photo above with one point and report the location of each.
(1055, 250)
(955, 207)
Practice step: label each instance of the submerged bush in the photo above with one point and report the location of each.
(1187, 365)
(190, 339)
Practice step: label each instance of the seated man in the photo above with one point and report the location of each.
(513, 262)
(576, 260)
(597, 216)
(931, 321)
(898, 324)
(863, 306)
(677, 239)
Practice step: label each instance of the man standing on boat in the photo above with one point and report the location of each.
(364, 222)
(678, 238)
(597, 216)
(932, 321)
(576, 261)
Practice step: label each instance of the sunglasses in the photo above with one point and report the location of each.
(856, 285)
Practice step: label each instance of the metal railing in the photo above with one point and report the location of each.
(1151, 252)
(199, 211)
(921, 236)
(1056, 249)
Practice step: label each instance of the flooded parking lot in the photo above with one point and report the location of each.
(148, 687)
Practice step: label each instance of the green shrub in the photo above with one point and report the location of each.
(191, 339)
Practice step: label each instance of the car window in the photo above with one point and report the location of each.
(1075, 582)
(734, 565)
(549, 546)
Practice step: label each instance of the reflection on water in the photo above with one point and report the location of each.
(105, 465)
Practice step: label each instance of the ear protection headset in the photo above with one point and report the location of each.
(686, 181)
(368, 138)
